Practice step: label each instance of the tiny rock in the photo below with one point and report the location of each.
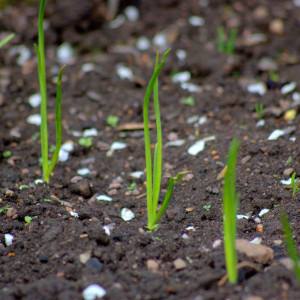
(179, 264)
(259, 253)
(93, 292)
(277, 26)
(82, 188)
(152, 265)
(288, 172)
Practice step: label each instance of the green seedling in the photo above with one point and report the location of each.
(188, 101)
(226, 41)
(294, 185)
(47, 167)
(112, 120)
(132, 187)
(4, 209)
(259, 110)
(290, 244)
(6, 40)
(86, 142)
(230, 205)
(154, 164)
(28, 219)
(6, 154)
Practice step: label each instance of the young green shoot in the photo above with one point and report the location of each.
(230, 205)
(47, 167)
(290, 244)
(112, 121)
(259, 110)
(154, 164)
(6, 40)
(294, 185)
(226, 41)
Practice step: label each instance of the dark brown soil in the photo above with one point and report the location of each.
(43, 261)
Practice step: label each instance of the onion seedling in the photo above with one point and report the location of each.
(259, 110)
(47, 167)
(230, 204)
(154, 165)
(226, 41)
(6, 40)
(294, 185)
(290, 244)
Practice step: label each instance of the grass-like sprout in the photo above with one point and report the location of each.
(290, 244)
(47, 167)
(154, 165)
(230, 204)
(6, 40)
(259, 110)
(226, 41)
(294, 185)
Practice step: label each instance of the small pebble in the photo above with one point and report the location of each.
(216, 244)
(277, 26)
(288, 172)
(179, 264)
(137, 174)
(91, 132)
(160, 41)
(181, 54)
(152, 265)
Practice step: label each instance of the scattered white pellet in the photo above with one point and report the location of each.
(256, 241)
(181, 54)
(90, 132)
(277, 133)
(65, 54)
(143, 44)
(137, 174)
(83, 171)
(199, 145)
(286, 181)
(74, 214)
(196, 21)
(65, 151)
(88, 67)
(288, 88)
(132, 13)
(260, 123)
(181, 77)
(103, 198)
(257, 88)
(124, 72)
(109, 228)
(35, 100)
(176, 143)
(160, 41)
(93, 292)
(241, 217)
(217, 244)
(22, 52)
(34, 120)
(263, 212)
(8, 239)
(127, 214)
(191, 87)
